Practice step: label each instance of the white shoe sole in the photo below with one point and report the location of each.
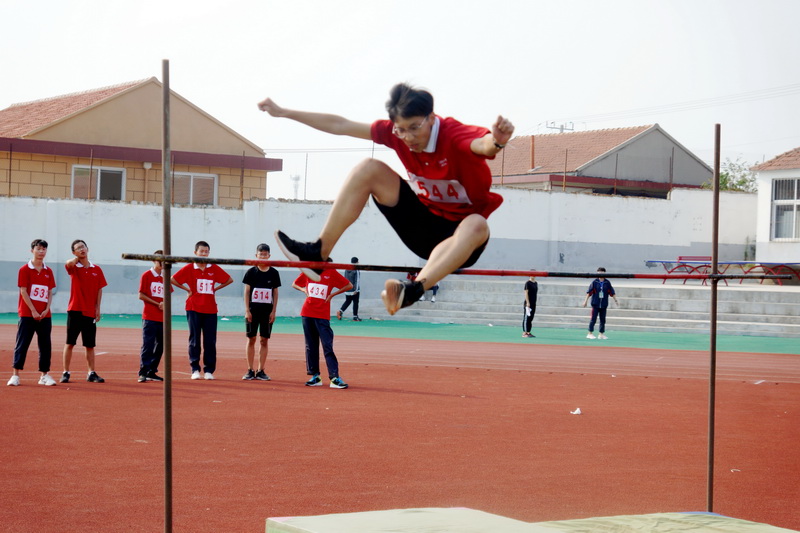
(392, 295)
(310, 274)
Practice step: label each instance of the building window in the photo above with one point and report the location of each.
(194, 189)
(786, 209)
(98, 183)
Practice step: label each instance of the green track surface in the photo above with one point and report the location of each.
(398, 329)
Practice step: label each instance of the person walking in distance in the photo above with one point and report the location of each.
(599, 291)
(531, 292)
(353, 295)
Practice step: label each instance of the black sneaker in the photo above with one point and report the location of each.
(94, 378)
(301, 251)
(250, 375)
(315, 381)
(142, 378)
(398, 294)
(356, 319)
(64, 378)
(262, 375)
(152, 376)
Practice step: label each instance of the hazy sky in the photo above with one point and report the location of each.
(684, 64)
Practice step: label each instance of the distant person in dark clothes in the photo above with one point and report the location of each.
(353, 295)
(599, 291)
(531, 291)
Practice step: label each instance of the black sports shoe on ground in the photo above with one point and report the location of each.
(356, 319)
(142, 378)
(397, 294)
(315, 381)
(64, 378)
(94, 378)
(261, 375)
(301, 251)
(152, 376)
(250, 375)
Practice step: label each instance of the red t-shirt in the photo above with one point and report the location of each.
(39, 285)
(152, 284)
(201, 281)
(452, 181)
(86, 285)
(317, 304)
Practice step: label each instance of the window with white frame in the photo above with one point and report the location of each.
(194, 189)
(786, 209)
(98, 183)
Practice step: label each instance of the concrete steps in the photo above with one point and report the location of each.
(747, 309)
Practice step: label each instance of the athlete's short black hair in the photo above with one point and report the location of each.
(38, 242)
(406, 102)
(201, 243)
(263, 247)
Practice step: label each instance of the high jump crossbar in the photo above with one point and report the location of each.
(463, 271)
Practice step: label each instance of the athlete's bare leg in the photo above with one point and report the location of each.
(448, 256)
(454, 251)
(369, 178)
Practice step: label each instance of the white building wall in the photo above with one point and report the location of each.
(532, 229)
(769, 251)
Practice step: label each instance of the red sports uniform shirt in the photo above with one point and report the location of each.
(201, 281)
(317, 304)
(86, 285)
(452, 181)
(152, 285)
(39, 285)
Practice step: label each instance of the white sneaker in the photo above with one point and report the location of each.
(602, 336)
(208, 375)
(14, 381)
(196, 374)
(590, 336)
(47, 380)
(433, 299)
(422, 298)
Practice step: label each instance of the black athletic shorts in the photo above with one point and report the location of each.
(419, 229)
(259, 321)
(85, 326)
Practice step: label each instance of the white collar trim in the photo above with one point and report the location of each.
(434, 136)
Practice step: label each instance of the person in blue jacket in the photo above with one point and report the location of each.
(599, 291)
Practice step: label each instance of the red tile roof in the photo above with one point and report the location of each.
(786, 161)
(23, 119)
(550, 150)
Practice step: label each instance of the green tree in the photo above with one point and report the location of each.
(734, 176)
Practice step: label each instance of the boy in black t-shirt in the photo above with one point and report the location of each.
(260, 304)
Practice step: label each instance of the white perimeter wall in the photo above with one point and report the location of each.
(532, 229)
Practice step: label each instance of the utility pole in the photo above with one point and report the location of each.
(567, 126)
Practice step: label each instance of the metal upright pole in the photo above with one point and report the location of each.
(166, 202)
(712, 378)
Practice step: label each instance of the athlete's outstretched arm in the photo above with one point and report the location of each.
(502, 130)
(321, 121)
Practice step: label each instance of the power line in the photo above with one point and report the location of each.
(762, 94)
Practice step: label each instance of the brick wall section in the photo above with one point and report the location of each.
(45, 176)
